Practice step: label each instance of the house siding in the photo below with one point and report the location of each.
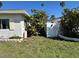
(16, 23)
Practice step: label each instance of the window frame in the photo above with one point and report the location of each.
(1, 24)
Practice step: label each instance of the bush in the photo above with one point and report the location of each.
(37, 22)
(70, 23)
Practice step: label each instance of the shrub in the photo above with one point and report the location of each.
(70, 23)
(37, 22)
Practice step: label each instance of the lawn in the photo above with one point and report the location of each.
(38, 46)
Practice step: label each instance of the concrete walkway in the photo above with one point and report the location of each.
(16, 40)
(68, 38)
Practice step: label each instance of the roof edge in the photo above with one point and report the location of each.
(13, 10)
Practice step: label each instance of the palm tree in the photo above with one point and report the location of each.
(52, 18)
(62, 4)
(1, 4)
(42, 4)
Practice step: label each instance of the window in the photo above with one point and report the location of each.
(4, 23)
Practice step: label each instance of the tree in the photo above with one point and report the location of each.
(62, 4)
(52, 18)
(42, 4)
(38, 21)
(1, 4)
(70, 23)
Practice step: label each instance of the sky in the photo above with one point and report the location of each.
(51, 7)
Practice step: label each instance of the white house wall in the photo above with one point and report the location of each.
(16, 26)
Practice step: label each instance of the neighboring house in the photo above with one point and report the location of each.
(12, 23)
(53, 28)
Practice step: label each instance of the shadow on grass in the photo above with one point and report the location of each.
(55, 38)
(60, 39)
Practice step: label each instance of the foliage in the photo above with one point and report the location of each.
(52, 18)
(62, 3)
(37, 21)
(31, 30)
(70, 23)
(1, 4)
(42, 4)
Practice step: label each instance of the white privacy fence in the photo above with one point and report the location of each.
(52, 29)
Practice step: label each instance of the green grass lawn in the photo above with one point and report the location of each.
(37, 46)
